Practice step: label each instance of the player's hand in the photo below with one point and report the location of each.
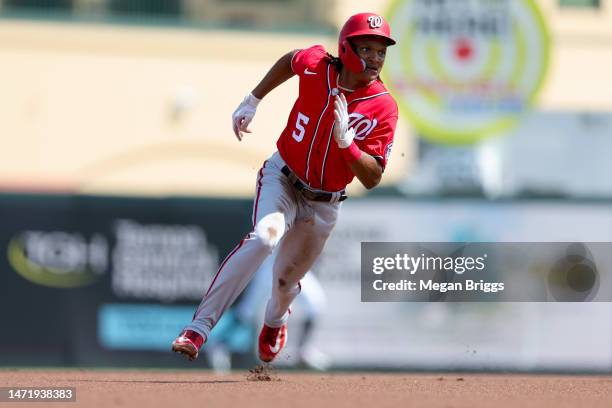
(342, 134)
(243, 115)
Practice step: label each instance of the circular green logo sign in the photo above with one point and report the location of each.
(466, 69)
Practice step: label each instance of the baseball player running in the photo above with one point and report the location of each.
(340, 127)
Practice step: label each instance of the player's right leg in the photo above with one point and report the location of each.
(273, 213)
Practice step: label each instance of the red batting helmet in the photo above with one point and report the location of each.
(358, 25)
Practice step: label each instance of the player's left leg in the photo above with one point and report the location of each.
(297, 252)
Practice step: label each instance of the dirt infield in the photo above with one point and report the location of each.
(148, 388)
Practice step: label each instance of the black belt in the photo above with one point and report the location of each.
(309, 193)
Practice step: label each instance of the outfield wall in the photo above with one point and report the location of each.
(103, 281)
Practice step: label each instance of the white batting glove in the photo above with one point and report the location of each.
(342, 135)
(243, 115)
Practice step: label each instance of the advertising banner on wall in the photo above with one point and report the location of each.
(99, 280)
(105, 281)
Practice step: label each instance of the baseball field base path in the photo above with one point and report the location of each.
(190, 388)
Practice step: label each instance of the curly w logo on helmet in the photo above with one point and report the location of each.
(375, 21)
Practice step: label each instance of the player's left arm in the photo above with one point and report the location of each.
(367, 164)
(367, 170)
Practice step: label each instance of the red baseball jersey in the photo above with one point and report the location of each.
(307, 144)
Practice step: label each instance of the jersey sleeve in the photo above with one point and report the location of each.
(379, 143)
(307, 59)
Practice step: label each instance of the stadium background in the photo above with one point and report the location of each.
(123, 188)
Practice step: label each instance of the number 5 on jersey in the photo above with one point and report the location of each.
(298, 133)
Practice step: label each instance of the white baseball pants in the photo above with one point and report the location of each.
(281, 216)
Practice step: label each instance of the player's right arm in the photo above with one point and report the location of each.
(279, 73)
